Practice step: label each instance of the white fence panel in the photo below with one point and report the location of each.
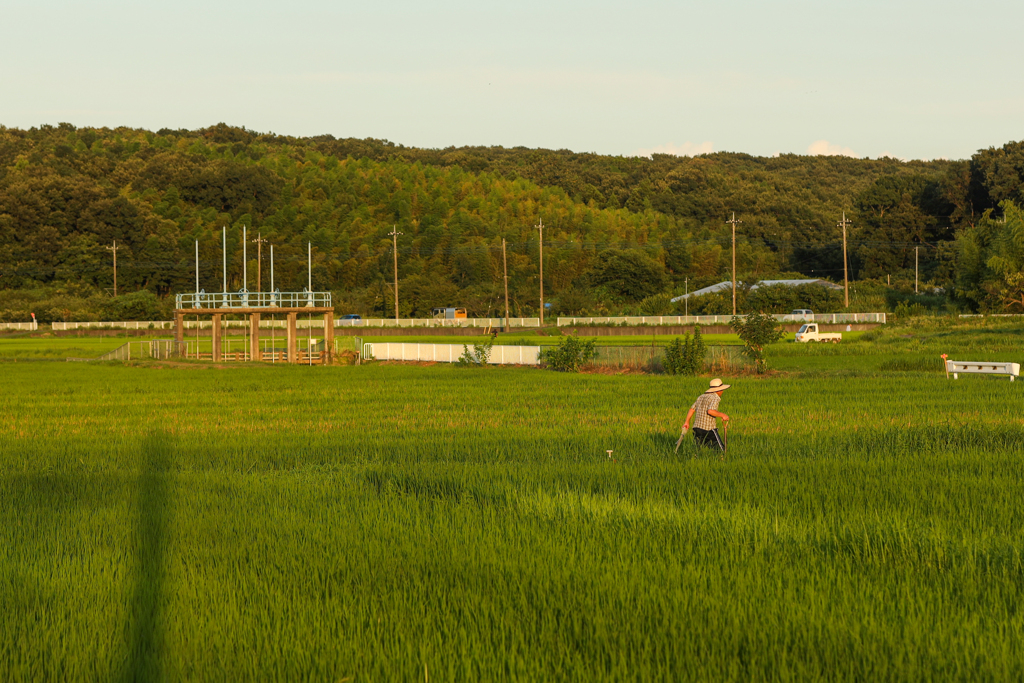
(116, 325)
(449, 353)
(835, 318)
(438, 322)
(31, 327)
(990, 315)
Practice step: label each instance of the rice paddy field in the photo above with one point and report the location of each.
(175, 521)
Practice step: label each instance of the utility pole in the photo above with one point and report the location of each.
(915, 270)
(686, 299)
(540, 227)
(224, 255)
(733, 222)
(394, 239)
(846, 280)
(259, 261)
(114, 249)
(504, 266)
(245, 262)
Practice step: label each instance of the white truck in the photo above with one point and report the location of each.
(809, 332)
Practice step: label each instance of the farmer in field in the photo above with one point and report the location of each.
(704, 412)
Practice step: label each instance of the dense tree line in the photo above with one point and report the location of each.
(618, 230)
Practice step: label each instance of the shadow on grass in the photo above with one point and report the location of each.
(145, 653)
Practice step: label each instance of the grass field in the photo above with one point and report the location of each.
(408, 523)
(24, 347)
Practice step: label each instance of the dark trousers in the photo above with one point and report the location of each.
(708, 438)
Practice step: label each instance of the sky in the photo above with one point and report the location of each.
(903, 78)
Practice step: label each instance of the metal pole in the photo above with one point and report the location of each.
(733, 221)
(915, 270)
(686, 299)
(224, 250)
(540, 227)
(504, 265)
(259, 261)
(394, 235)
(846, 279)
(114, 249)
(197, 271)
(245, 262)
(271, 267)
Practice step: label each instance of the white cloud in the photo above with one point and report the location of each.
(687, 149)
(825, 148)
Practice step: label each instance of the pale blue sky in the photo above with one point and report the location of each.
(908, 78)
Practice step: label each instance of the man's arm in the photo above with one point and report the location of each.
(686, 424)
(715, 413)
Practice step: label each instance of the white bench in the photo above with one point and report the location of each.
(972, 367)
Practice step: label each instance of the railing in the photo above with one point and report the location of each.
(958, 367)
(246, 299)
(31, 327)
(117, 325)
(449, 353)
(318, 323)
(439, 322)
(835, 318)
(154, 349)
(991, 315)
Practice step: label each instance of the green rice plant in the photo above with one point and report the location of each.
(259, 522)
(912, 364)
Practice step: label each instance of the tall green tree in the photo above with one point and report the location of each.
(990, 261)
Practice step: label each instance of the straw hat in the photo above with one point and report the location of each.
(716, 386)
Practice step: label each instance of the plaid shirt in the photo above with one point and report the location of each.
(700, 408)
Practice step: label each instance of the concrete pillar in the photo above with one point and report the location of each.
(215, 333)
(293, 339)
(327, 357)
(255, 353)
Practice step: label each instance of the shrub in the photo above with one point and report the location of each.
(675, 353)
(141, 305)
(905, 310)
(480, 355)
(698, 351)
(686, 356)
(656, 304)
(783, 298)
(757, 331)
(570, 354)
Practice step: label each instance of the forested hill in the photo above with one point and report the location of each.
(617, 229)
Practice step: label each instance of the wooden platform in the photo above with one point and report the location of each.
(291, 313)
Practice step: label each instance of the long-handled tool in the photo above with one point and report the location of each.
(681, 436)
(725, 438)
